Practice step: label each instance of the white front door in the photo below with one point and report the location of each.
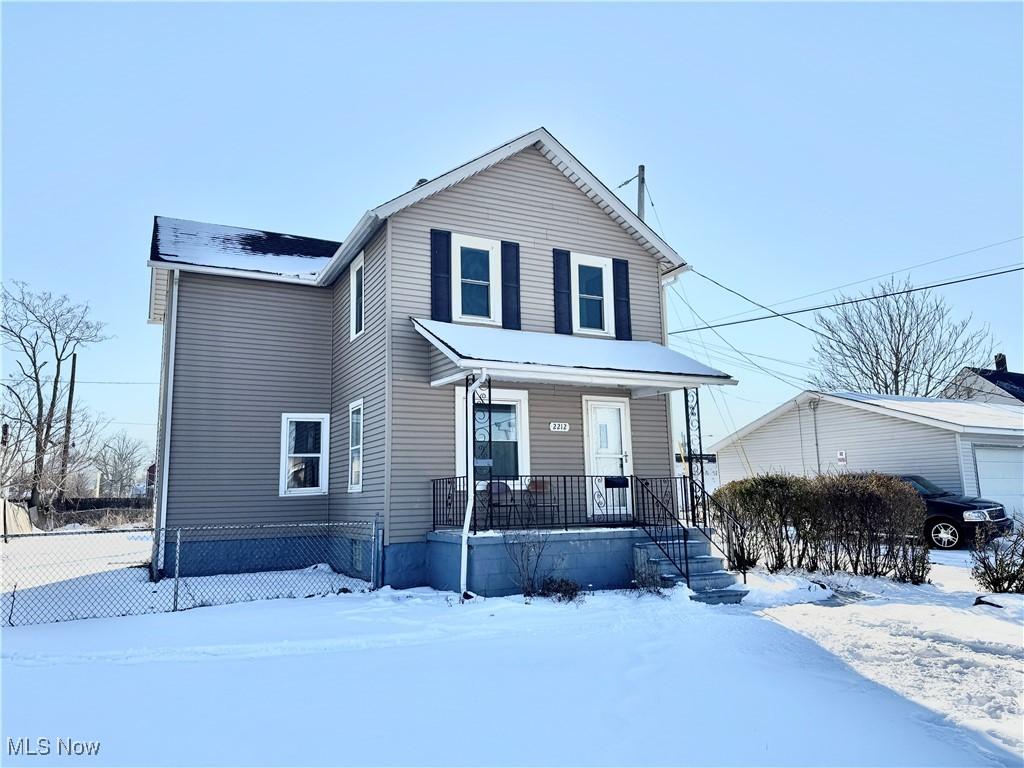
(608, 454)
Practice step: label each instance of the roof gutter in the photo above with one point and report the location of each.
(350, 247)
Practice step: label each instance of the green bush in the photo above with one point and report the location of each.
(867, 524)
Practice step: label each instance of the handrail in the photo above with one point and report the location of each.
(663, 527)
(729, 522)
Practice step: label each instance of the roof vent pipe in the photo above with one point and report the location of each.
(420, 183)
(1000, 362)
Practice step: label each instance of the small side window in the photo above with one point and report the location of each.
(355, 446)
(356, 271)
(304, 441)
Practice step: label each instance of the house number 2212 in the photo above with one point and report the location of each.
(559, 426)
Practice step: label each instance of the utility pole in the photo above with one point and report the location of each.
(641, 190)
(66, 450)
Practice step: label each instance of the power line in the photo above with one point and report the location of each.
(709, 327)
(884, 274)
(815, 330)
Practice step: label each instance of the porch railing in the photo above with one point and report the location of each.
(687, 499)
(535, 501)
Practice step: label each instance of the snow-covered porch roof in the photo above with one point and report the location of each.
(644, 367)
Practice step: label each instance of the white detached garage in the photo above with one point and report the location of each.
(966, 446)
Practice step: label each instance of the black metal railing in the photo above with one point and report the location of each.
(687, 502)
(667, 508)
(657, 509)
(535, 501)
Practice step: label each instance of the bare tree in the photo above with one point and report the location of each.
(17, 457)
(908, 344)
(119, 463)
(42, 331)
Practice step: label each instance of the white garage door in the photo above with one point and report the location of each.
(1001, 477)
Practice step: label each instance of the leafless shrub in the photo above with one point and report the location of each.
(525, 549)
(561, 590)
(998, 563)
(867, 524)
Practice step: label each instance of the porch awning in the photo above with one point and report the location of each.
(642, 366)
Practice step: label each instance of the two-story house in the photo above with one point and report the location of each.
(500, 328)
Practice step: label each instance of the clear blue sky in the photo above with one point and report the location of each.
(789, 148)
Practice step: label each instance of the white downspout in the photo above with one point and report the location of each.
(470, 480)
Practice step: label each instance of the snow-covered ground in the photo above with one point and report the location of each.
(82, 572)
(930, 644)
(415, 678)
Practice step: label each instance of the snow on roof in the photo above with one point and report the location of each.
(969, 414)
(1010, 382)
(954, 415)
(471, 344)
(215, 246)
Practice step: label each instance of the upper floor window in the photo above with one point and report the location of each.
(593, 309)
(304, 441)
(476, 279)
(355, 296)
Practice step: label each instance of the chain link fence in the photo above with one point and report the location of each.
(81, 574)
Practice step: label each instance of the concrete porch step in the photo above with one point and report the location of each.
(701, 582)
(721, 596)
(697, 564)
(694, 548)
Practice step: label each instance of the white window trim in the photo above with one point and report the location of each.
(493, 248)
(325, 443)
(357, 263)
(517, 397)
(353, 406)
(605, 265)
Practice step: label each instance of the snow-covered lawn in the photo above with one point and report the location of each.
(83, 572)
(930, 644)
(414, 678)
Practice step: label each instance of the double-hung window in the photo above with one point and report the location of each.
(593, 309)
(355, 446)
(355, 296)
(304, 443)
(476, 279)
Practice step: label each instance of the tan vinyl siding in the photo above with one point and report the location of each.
(526, 200)
(359, 370)
(871, 441)
(246, 352)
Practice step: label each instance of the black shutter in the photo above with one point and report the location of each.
(440, 275)
(563, 292)
(620, 287)
(510, 286)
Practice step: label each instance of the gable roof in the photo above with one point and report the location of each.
(1008, 381)
(951, 415)
(548, 146)
(237, 251)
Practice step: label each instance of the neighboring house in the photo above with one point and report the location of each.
(990, 385)
(969, 447)
(310, 380)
